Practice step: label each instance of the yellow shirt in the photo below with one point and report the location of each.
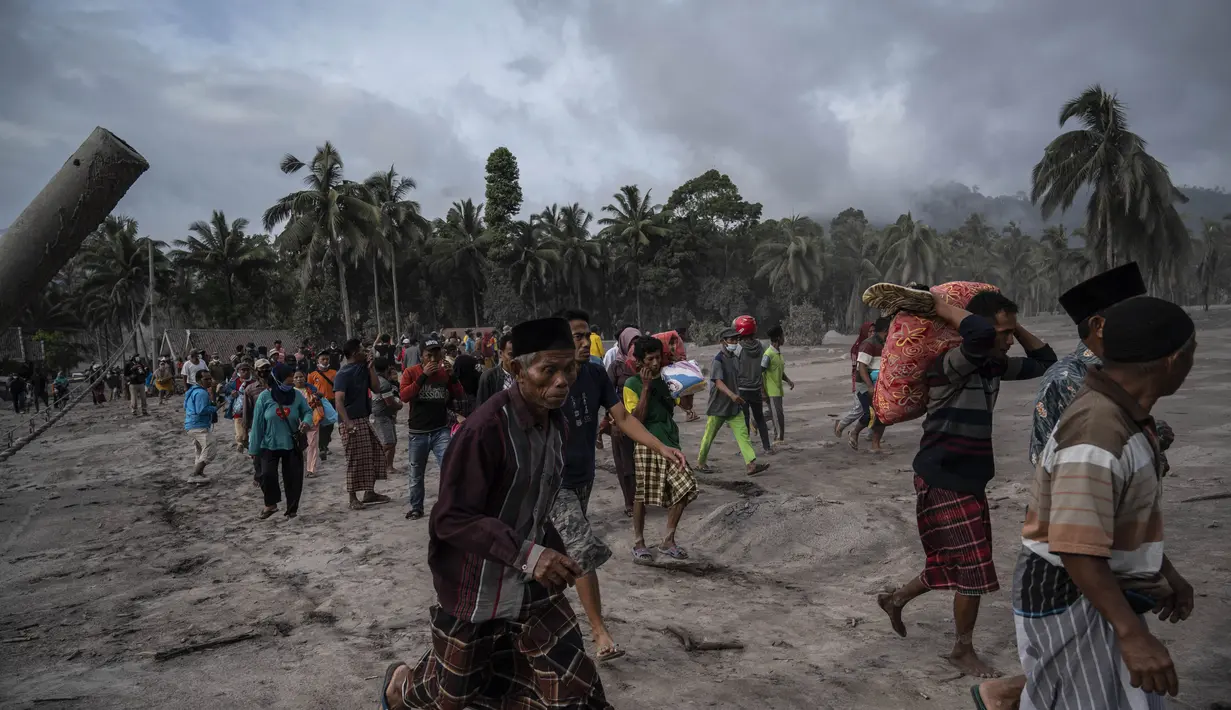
(596, 345)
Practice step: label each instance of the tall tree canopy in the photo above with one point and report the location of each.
(503, 189)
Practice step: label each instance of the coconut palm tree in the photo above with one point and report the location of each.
(792, 260)
(854, 261)
(550, 216)
(117, 263)
(1016, 262)
(1213, 264)
(1131, 210)
(402, 222)
(458, 248)
(329, 219)
(633, 221)
(219, 248)
(910, 251)
(53, 309)
(1056, 258)
(531, 258)
(580, 256)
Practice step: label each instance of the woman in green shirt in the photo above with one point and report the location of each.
(660, 482)
(279, 419)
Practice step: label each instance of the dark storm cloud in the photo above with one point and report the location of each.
(736, 82)
(213, 137)
(809, 106)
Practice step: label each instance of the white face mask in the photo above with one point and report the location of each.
(730, 347)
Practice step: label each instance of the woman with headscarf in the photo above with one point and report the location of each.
(164, 380)
(619, 369)
(855, 413)
(313, 450)
(674, 350)
(280, 419)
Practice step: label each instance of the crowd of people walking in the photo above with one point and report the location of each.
(513, 419)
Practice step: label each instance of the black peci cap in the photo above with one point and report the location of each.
(535, 336)
(1098, 293)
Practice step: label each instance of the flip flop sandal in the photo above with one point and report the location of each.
(891, 298)
(610, 654)
(703, 468)
(642, 554)
(974, 694)
(852, 442)
(414, 514)
(675, 552)
(375, 498)
(266, 512)
(384, 699)
(760, 468)
(355, 505)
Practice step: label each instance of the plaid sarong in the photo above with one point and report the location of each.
(956, 532)
(365, 461)
(660, 482)
(535, 663)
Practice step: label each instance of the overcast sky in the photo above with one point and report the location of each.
(810, 106)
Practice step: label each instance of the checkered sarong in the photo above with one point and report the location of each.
(660, 482)
(535, 663)
(956, 532)
(365, 461)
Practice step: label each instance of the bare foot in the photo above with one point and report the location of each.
(837, 428)
(1002, 694)
(968, 662)
(895, 613)
(605, 648)
(393, 691)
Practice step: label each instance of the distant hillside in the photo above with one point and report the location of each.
(946, 206)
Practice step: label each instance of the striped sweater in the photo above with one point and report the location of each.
(955, 452)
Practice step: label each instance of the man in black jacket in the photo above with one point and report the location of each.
(498, 378)
(134, 373)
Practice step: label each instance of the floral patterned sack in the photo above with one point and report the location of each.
(913, 342)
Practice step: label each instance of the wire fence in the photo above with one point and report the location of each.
(16, 438)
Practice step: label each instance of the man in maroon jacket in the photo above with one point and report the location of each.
(502, 624)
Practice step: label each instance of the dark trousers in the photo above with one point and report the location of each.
(756, 406)
(323, 437)
(292, 476)
(622, 452)
(777, 417)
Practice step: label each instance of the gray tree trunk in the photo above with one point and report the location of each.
(49, 231)
(342, 290)
(376, 293)
(397, 316)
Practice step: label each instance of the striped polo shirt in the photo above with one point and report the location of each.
(1097, 491)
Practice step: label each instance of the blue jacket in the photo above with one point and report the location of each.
(199, 409)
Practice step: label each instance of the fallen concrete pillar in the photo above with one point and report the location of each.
(50, 230)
